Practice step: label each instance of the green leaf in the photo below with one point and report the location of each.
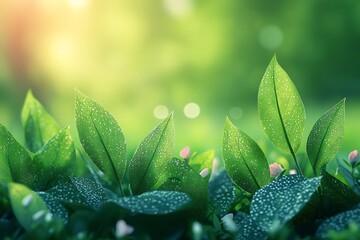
(179, 176)
(339, 222)
(155, 202)
(222, 193)
(28, 207)
(38, 124)
(249, 229)
(93, 193)
(15, 161)
(326, 137)
(151, 156)
(336, 195)
(68, 194)
(281, 110)
(244, 160)
(54, 205)
(55, 161)
(101, 138)
(278, 202)
(199, 162)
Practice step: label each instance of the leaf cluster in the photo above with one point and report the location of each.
(52, 188)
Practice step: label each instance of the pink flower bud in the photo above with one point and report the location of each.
(204, 173)
(292, 172)
(185, 153)
(354, 157)
(122, 229)
(275, 169)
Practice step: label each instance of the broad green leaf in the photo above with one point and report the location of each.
(28, 207)
(281, 200)
(38, 124)
(339, 222)
(93, 193)
(68, 194)
(336, 195)
(244, 160)
(155, 202)
(199, 162)
(54, 205)
(239, 217)
(55, 161)
(281, 110)
(326, 137)
(151, 157)
(249, 229)
(15, 161)
(179, 176)
(222, 193)
(101, 138)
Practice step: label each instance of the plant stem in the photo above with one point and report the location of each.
(296, 162)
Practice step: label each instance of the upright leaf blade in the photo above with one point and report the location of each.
(28, 207)
(15, 161)
(281, 110)
(244, 160)
(326, 137)
(101, 137)
(38, 124)
(55, 161)
(151, 157)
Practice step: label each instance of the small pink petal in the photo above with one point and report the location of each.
(354, 157)
(185, 153)
(275, 169)
(204, 173)
(292, 172)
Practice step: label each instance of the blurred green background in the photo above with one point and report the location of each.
(202, 59)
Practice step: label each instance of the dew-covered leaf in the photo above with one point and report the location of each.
(15, 161)
(179, 176)
(336, 195)
(249, 229)
(152, 156)
(155, 202)
(199, 162)
(339, 222)
(101, 138)
(326, 137)
(54, 205)
(93, 193)
(68, 194)
(28, 207)
(38, 124)
(281, 110)
(239, 217)
(244, 160)
(222, 193)
(278, 202)
(55, 161)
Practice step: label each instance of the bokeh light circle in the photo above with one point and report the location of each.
(160, 112)
(192, 110)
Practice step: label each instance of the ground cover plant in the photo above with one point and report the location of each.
(54, 188)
